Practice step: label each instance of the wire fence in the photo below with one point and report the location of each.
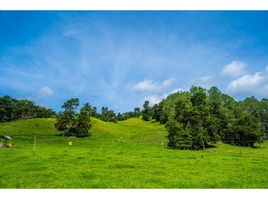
(37, 144)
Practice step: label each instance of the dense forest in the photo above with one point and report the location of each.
(12, 109)
(198, 118)
(194, 119)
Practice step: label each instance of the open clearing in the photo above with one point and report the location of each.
(129, 154)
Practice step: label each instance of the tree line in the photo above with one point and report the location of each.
(108, 115)
(13, 109)
(194, 119)
(199, 118)
(73, 123)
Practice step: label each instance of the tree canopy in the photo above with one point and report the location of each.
(198, 118)
(74, 124)
(13, 109)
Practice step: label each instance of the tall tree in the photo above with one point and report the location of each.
(213, 119)
(108, 115)
(178, 125)
(245, 131)
(146, 112)
(264, 117)
(66, 119)
(71, 104)
(120, 117)
(198, 117)
(137, 111)
(72, 124)
(80, 126)
(7, 108)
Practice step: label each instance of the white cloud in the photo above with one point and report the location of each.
(152, 86)
(234, 69)
(204, 81)
(176, 90)
(154, 99)
(250, 84)
(45, 91)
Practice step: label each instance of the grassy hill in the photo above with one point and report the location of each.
(127, 154)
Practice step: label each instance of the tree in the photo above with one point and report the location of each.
(178, 136)
(7, 108)
(177, 126)
(146, 112)
(12, 109)
(245, 131)
(72, 125)
(86, 109)
(197, 130)
(264, 117)
(71, 104)
(66, 120)
(94, 112)
(42, 112)
(167, 105)
(156, 112)
(241, 122)
(120, 117)
(137, 111)
(81, 126)
(214, 101)
(108, 115)
(213, 127)
(213, 119)
(190, 126)
(26, 109)
(198, 119)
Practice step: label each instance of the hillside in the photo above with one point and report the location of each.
(127, 154)
(134, 129)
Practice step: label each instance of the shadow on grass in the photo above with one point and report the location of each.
(255, 146)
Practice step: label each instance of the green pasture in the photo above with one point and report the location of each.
(127, 154)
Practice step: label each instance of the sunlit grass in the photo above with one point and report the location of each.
(127, 154)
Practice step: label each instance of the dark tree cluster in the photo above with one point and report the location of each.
(127, 115)
(108, 115)
(12, 109)
(72, 123)
(198, 118)
(147, 111)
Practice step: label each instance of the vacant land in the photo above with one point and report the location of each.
(129, 154)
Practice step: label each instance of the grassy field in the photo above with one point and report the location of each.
(129, 154)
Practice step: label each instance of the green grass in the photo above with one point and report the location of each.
(129, 154)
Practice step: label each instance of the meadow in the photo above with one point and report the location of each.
(128, 154)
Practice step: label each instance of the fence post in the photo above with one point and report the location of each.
(34, 146)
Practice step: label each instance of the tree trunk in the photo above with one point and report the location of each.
(203, 144)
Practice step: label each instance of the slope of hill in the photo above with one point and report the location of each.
(127, 154)
(43, 127)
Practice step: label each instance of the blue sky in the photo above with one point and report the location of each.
(121, 58)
